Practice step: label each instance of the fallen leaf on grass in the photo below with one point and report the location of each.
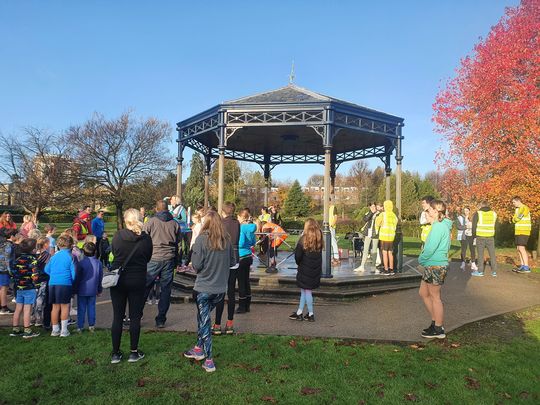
(87, 361)
(417, 346)
(310, 391)
(431, 385)
(506, 395)
(38, 381)
(391, 374)
(524, 395)
(396, 350)
(472, 383)
(411, 397)
(362, 402)
(270, 399)
(285, 367)
(455, 345)
(380, 394)
(255, 369)
(292, 343)
(346, 363)
(141, 382)
(378, 385)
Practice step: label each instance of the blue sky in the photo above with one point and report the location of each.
(63, 60)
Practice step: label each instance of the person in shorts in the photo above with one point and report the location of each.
(25, 276)
(523, 227)
(7, 259)
(434, 262)
(61, 271)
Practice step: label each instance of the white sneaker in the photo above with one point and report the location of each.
(462, 266)
(73, 312)
(474, 267)
(55, 333)
(360, 268)
(65, 333)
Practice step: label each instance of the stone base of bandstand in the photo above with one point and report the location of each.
(345, 284)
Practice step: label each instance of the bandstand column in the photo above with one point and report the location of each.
(207, 169)
(221, 177)
(399, 230)
(327, 270)
(266, 183)
(179, 161)
(388, 172)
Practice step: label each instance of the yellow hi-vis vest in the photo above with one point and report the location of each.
(486, 224)
(387, 231)
(426, 229)
(523, 224)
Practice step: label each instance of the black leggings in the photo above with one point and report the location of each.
(132, 291)
(183, 247)
(468, 242)
(230, 298)
(244, 287)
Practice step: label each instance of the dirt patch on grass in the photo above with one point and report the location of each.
(502, 328)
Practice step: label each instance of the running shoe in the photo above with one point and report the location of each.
(30, 335)
(6, 311)
(462, 267)
(435, 333)
(15, 333)
(216, 330)
(428, 329)
(477, 274)
(229, 330)
(195, 353)
(65, 333)
(474, 267)
(135, 356)
(209, 366)
(116, 358)
(493, 274)
(55, 333)
(295, 317)
(524, 270)
(310, 318)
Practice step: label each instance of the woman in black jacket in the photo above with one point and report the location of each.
(131, 284)
(308, 257)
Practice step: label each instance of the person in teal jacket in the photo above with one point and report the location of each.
(434, 262)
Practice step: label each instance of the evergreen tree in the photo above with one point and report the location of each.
(297, 203)
(194, 188)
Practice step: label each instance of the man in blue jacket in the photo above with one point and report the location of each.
(98, 227)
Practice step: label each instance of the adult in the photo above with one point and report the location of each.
(273, 236)
(82, 225)
(434, 262)
(386, 223)
(523, 227)
(164, 232)
(131, 284)
(27, 226)
(142, 212)
(6, 221)
(275, 216)
(464, 236)
(332, 221)
(212, 258)
(425, 226)
(371, 238)
(232, 230)
(265, 215)
(483, 229)
(246, 242)
(181, 215)
(98, 227)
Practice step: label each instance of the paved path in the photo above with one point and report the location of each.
(396, 316)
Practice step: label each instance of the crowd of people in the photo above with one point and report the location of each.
(46, 273)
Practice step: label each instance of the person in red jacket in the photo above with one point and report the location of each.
(276, 236)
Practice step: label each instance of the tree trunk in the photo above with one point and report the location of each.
(119, 214)
(36, 213)
(538, 243)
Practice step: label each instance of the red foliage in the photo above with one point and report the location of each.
(489, 114)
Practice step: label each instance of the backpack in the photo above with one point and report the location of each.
(6, 251)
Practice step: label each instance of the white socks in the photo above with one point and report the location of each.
(56, 328)
(64, 326)
(299, 312)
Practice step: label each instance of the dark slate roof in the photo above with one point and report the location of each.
(292, 94)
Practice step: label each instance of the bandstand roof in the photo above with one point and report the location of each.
(290, 125)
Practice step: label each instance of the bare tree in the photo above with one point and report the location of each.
(118, 152)
(40, 170)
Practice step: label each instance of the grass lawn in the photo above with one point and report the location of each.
(493, 361)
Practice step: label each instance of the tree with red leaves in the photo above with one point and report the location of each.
(489, 115)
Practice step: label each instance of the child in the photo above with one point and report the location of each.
(434, 262)
(61, 270)
(25, 276)
(246, 242)
(42, 306)
(50, 231)
(104, 250)
(88, 286)
(7, 261)
(386, 223)
(308, 257)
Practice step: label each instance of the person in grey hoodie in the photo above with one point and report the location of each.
(213, 257)
(165, 234)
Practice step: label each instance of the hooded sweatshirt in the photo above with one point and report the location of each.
(386, 218)
(165, 232)
(436, 248)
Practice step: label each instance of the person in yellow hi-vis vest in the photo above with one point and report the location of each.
(523, 227)
(483, 229)
(386, 223)
(425, 225)
(332, 221)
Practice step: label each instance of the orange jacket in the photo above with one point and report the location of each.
(275, 241)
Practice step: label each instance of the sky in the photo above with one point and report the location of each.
(61, 61)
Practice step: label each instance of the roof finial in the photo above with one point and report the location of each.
(292, 76)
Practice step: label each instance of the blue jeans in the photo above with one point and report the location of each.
(205, 304)
(86, 304)
(165, 271)
(306, 298)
